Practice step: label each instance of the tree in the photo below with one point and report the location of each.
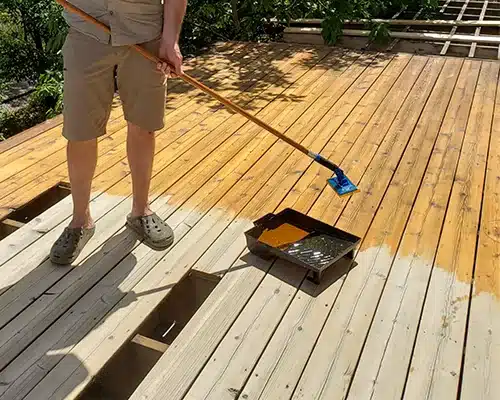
(31, 35)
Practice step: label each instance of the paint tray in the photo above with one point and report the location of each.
(300, 239)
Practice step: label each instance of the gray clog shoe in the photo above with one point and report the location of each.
(70, 244)
(152, 230)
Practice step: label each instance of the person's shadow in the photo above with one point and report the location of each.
(49, 368)
(41, 359)
(66, 315)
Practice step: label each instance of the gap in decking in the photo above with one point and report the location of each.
(33, 209)
(126, 370)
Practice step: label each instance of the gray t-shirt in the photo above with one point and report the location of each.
(131, 21)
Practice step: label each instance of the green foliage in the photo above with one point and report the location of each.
(46, 102)
(206, 21)
(31, 35)
(13, 122)
(256, 20)
(336, 11)
(49, 92)
(211, 20)
(379, 33)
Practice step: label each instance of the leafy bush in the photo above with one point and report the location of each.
(206, 21)
(49, 93)
(265, 19)
(255, 20)
(46, 102)
(13, 122)
(31, 35)
(379, 33)
(335, 12)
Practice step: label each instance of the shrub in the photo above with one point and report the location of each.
(335, 12)
(46, 102)
(13, 122)
(31, 35)
(49, 93)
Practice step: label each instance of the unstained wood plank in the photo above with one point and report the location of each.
(482, 352)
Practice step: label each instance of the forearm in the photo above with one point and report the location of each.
(174, 11)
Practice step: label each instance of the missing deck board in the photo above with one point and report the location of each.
(9, 226)
(42, 203)
(126, 370)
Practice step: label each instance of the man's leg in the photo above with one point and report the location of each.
(151, 229)
(140, 152)
(82, 161)
(142, 89)
(88, 95)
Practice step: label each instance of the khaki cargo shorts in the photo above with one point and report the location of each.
(89, 86)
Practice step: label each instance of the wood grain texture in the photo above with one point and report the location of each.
(436, 363)
(482, 363)
(417, 134)
(382, 369)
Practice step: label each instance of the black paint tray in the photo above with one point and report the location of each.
(320, 249)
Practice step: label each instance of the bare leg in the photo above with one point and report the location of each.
(140, 152)
(82, 160)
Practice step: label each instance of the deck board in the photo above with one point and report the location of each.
(376, 377)
(436, 364)
(482, 363)
(416, 133)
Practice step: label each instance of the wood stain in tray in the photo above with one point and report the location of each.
(283, 235)
(300, 239)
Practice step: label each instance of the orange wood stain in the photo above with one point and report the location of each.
(282, 235)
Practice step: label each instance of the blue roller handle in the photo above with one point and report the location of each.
(342, 179)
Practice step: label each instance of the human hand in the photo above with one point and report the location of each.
(171, 54)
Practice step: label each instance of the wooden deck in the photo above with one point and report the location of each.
(418, 314)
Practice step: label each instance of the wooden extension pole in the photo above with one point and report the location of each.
(192, 81)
